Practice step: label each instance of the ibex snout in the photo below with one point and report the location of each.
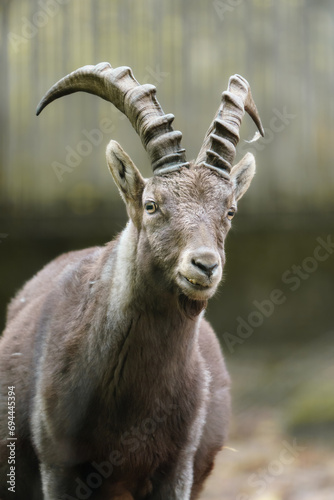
(205, 260)
(200, 272)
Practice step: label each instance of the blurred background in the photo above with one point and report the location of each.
(274, 313)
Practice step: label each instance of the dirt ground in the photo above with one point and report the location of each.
(281, 444)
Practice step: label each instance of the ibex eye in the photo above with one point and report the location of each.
(231, 213)
(151, 207)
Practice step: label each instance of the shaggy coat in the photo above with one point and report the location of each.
(120, 384)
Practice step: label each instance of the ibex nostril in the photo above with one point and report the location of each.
(207, 268)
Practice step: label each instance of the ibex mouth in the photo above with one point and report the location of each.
(199, 286)
(195, 289)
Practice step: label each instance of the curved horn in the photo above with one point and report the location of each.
(218, 150)
(137, 102)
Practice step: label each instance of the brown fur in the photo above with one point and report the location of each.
(114, 366)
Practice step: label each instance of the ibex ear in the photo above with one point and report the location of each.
(242, 174)
(127, 177)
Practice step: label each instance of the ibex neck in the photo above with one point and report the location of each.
(147, 335)
(136, 284)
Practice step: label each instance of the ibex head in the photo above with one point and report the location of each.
(183, 213)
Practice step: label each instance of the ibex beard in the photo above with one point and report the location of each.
(121, 386)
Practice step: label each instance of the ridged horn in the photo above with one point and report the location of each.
(137, 102)
(219, 146)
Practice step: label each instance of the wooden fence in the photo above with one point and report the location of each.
(188, 49)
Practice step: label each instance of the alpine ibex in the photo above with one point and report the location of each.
(120, 386)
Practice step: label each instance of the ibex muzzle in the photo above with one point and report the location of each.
(202, 268)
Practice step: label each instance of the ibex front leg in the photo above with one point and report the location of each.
(58, 482)
(176, 486)
(178, 483)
